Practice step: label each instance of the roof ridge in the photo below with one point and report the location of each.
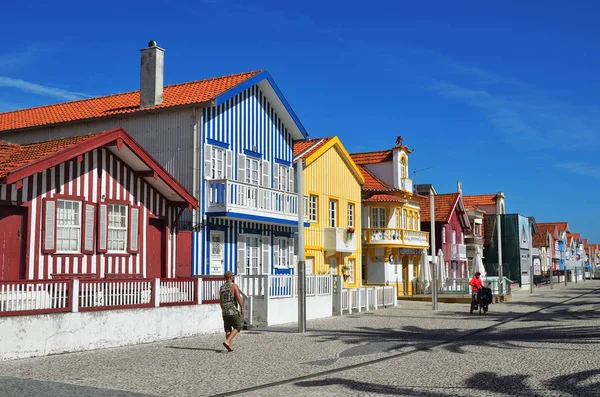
(130, 92)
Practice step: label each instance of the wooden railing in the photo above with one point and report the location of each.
(34, 297)
(115, 294)
(178, 291)
(211, 287)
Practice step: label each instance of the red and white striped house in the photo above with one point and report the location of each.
(96, 205)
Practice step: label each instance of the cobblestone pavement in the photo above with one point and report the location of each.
(545, 344)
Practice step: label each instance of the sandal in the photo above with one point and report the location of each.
(227, 347)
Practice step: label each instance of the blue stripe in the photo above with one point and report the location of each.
(255, 80)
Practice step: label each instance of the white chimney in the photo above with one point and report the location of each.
(151, 75)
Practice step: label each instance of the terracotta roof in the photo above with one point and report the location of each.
(173, 95)
(559, 225)
(381, 198)
(13, 156)
(575, 236)
(444, 203)
(309, 146)
(372, 157)
(475, 202)
(373, 183)
(540, 238)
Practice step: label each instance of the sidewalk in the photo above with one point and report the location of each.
(200, 366)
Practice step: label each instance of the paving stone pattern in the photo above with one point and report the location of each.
(545, 344)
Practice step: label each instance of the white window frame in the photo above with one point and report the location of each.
(379, 218)
(403, 218)
(250, 161)
(333, 210)
(313, 208)
(116, 229)
(284, 177)
(218, 165)
(351, 209)
(249, 267)
(60, 217)
(454, 237)
(443, 235)
(462, 238)
(284, 252)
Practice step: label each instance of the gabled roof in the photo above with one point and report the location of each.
(574, 236)
(215, 91)
(384, 198)
(560, 226)
(540, 238)
(372, 157)
(312, 149)
(21, 161)
(477, 201)
(373, 183)
(444, 205)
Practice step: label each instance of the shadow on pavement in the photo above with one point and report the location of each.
(579, 384)
(19, 387)
(196, 348)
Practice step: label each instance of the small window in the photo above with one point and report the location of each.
(117, 227)
(462, 237)
(252, 171)
(284, 175)
(218, 163)
(477, 229)
(313, 204)
(443, 235)
(283, 257)
(350, 215)
(403, 219)
(379, 218)
(252, 255)
(333, 213)
(68, 226)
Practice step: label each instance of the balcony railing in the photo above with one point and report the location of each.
(394, 236)
(339, 239)
(228, 195)
(406, 184)
(459, 252)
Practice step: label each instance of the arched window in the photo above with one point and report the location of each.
(403, 168)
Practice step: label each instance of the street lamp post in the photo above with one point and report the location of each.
(301, 264)
(434, 290)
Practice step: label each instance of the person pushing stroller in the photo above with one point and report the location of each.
(479, 293)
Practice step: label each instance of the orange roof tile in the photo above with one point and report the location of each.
(559, 225)
(13, 156)
(444, 203)
(474, 202)
(374, 183)
(381, 198)
(309, 146)
(540, 238)
(173, 95)
(372, 157)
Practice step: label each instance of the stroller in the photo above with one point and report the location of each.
(481, 300)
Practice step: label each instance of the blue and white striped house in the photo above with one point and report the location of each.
(250, 205)
(229, 140)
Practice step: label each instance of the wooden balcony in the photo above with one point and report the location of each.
(393, 236)
(458, 252)
(338, 239)
(228, 197)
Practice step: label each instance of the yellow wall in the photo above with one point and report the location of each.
(330, 177)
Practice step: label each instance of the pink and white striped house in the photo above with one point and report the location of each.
(88, 206)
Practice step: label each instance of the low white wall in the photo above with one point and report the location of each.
(39, 335)
(285, 310)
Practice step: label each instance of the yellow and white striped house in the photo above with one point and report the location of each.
(333, 184)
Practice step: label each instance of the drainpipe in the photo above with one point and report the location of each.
(195, 150)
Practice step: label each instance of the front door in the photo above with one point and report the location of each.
(12, 241)
(156, 239)
(217, 240)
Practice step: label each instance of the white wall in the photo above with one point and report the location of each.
(285, 310)
(39, 335)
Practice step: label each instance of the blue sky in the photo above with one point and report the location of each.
(502, 97)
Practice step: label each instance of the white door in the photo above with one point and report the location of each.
(333, 265)
(309, 265)
(217, 241)
(252, 255)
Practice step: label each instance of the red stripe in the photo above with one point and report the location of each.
(113, 178)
